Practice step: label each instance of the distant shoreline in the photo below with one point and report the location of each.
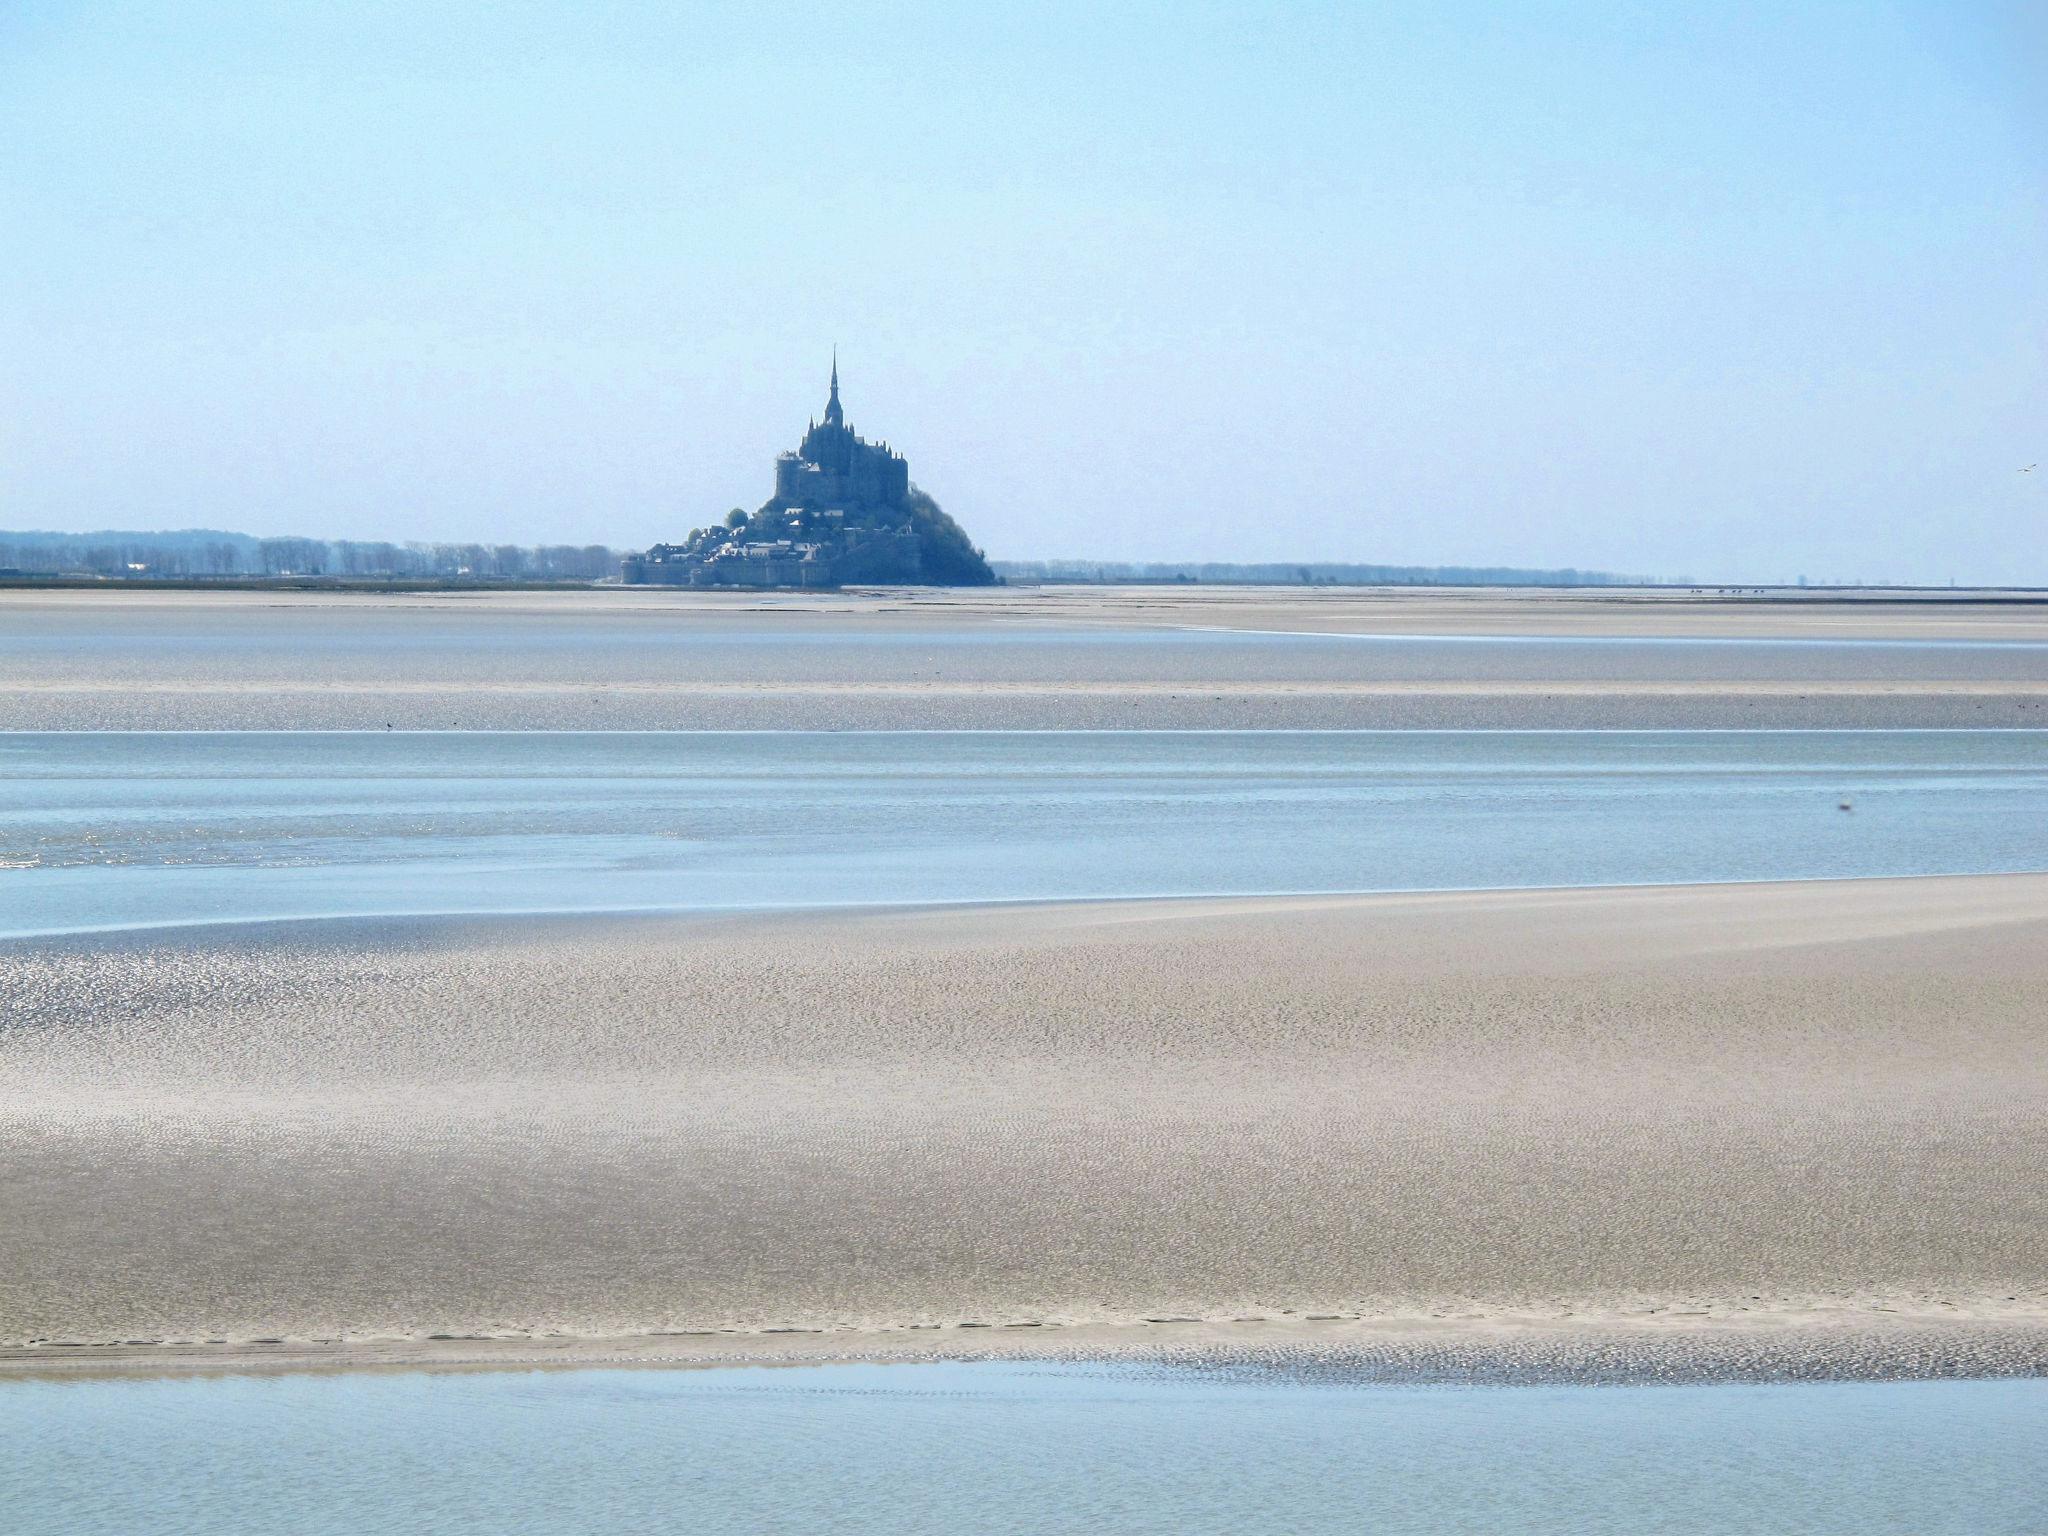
(1503, 1349)
(342, 584)
(1589, 591)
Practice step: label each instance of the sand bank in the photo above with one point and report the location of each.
(1569, 612)
(1497, 1348)
(1653, 1116)
(1186, 704)
(1054, 659)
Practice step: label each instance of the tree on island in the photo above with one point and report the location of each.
(946, 556)
(950, 558)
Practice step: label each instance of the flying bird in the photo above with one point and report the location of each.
(2028, 470)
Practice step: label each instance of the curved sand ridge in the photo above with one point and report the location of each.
(1693, 1113)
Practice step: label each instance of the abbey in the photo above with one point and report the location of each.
(844, 510)
(835, 466)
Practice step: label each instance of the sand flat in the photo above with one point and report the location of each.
(1753, 1105)
(1581, 612)
(1054, 658)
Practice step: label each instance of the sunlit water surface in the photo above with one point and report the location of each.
(1012, 1448)
(115, 829)
(99, 830)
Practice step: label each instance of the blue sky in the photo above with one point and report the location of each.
(1733, 292)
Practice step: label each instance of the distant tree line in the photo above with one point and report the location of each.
(1308, 574)
(208, 553)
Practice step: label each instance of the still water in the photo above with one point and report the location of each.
(116, 829)
(950, 1449)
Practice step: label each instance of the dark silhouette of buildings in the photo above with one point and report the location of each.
(844, 510)
(835, 467)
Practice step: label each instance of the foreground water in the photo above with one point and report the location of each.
(1013, 1448)
(116, 829)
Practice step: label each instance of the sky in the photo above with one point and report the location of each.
(1722, 292)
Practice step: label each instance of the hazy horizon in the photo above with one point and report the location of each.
(1736, 297)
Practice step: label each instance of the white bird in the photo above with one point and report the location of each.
(2028, 470)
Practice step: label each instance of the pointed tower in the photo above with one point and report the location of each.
(833, 416)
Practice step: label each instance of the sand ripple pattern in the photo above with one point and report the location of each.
(1732, 1102)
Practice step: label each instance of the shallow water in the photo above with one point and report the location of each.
(144, 828)
(1012, 1448)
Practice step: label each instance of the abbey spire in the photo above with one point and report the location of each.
(833, 416)
(843, 511)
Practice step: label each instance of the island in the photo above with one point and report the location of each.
(843, 511)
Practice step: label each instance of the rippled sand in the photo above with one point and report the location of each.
(1664, 1117)
(1059, 658)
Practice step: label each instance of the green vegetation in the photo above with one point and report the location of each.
(950, 558)
(947, 557)
(217, 555)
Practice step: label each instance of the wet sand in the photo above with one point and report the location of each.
(1578, 612)
(1236, 658)
(1790, 1129)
